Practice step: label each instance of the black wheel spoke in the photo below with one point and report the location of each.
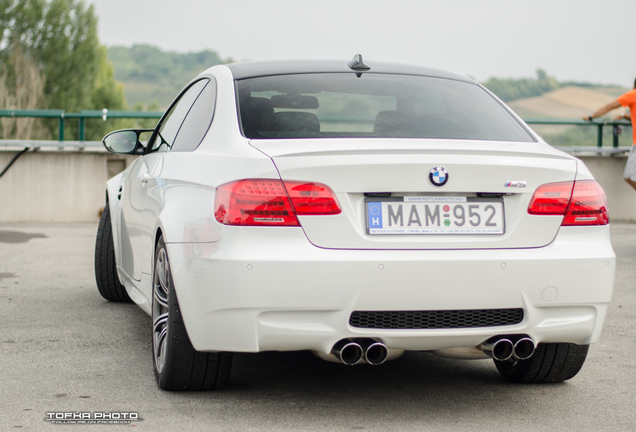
(160, 348)
(160, 323)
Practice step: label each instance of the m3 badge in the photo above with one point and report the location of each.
(515, 184)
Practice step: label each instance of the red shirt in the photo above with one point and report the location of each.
(629, 100)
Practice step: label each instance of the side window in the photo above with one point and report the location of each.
(171, 123)
(198, 120)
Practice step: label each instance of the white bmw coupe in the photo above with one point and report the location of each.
(358, 211)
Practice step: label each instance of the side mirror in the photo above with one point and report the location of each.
(126, 141)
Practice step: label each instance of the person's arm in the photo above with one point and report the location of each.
(599, 112)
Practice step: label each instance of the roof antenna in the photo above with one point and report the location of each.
(356, 64)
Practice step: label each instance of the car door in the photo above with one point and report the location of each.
(136, 185)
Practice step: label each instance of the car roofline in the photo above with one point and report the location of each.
(253, 69)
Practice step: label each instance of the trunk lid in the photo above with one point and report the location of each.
(361, 170)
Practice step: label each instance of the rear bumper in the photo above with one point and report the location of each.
(259, 289)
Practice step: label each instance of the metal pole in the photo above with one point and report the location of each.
(82, 131)
(599, 141)
(82, 127)
(616, 129)
(15, 158)
(60, 132)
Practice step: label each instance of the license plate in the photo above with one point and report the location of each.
(435, 215)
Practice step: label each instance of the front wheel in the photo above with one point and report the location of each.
(178, 366)
(551, 362)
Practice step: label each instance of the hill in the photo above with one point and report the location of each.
(153, 77)
(565, 103)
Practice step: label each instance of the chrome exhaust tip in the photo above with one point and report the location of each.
(348, 352)
(523, 349)
(500, 349)
(376, 353)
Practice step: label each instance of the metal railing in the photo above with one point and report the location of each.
(81, 117)
(105, 114)
(617, 127)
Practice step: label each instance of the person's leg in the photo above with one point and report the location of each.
(630, 168)
(631, 182)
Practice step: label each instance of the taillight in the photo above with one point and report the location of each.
(265, 202)
(581, 203)
(312, 198)
(254, 202)
(551, 199)
(588, 205)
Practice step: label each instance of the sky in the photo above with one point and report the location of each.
(584, 40)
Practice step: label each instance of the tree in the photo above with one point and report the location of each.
(61, 37)
(151, 74)
(105, 93)
(512, 89)
(21, 87)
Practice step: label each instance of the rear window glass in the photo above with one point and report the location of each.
(374, 105)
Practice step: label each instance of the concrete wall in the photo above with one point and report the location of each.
(68, 186)
(621, 197)
(56, 186)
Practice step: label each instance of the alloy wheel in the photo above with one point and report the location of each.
(160, 310)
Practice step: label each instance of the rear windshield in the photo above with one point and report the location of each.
(374, 105)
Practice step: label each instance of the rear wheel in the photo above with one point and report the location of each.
(178, 366)
(105, 266)
(551, 362)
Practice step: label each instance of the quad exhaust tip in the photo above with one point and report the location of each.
(352, 352)
(348, 352)
(503, 348)
(499, 349)
(376, 353)
(524, 349)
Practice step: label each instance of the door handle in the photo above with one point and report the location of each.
(145, 177)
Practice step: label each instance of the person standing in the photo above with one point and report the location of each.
(625, 100)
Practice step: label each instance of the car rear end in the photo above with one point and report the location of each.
(411, 212)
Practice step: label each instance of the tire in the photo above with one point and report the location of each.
(551, 362)
(105, 266)
(177, 365)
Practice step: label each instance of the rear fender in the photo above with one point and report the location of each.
(189, 221)
(188, 224)
(190, 216)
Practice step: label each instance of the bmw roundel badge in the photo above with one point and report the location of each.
(438, 176)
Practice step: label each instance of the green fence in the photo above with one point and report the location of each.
(106, 114)
(616, 127)
(80, 117)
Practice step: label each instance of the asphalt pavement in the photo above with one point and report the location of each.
(64, 349)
